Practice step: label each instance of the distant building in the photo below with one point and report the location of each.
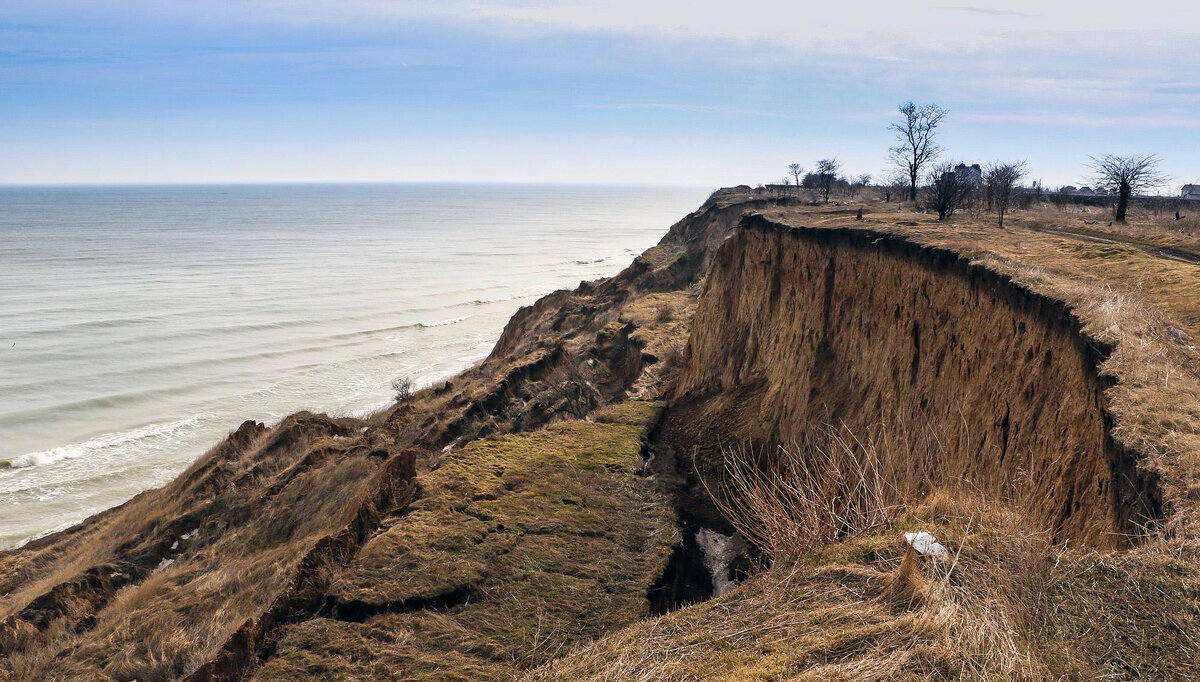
(973, 173)
(1191, 192)
(1084, 191)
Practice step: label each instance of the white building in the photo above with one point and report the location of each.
(1190, 192)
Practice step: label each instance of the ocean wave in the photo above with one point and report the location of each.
(503, 299)
(442, 323)
(101, 444)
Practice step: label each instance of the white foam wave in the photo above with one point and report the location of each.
(443, 323)
(104, 444)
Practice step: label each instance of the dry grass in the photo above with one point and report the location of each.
(801, 497)
(520, 547)
(843, 598)
(1006, 605)
(160, 604)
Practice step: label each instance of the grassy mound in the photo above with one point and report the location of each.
(518, 548)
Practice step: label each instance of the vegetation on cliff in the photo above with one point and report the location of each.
(1030, 396)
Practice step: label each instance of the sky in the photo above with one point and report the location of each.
(619, 92)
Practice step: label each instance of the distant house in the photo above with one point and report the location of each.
(1069, 189)
(973, 173)
(1191, 192)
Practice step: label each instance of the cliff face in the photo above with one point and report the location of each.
(547, 497)
(995, 386)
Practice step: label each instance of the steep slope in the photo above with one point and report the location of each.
(528, 517)
(798, 328)
(255, 536)
(996, 389)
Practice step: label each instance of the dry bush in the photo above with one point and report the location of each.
(403, 388)
(803, 497)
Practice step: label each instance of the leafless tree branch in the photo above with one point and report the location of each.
(916, 145)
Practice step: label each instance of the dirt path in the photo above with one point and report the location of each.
(1157, 251)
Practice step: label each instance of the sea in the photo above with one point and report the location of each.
(139, 325)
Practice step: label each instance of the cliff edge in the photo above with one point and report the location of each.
(703, 468)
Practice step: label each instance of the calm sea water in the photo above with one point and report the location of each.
(138, 326)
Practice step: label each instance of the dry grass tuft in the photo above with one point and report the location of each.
(906, 588)
(786, 504)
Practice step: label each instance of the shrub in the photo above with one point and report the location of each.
(403, 388)
(806, 496)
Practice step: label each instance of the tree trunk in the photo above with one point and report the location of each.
(1123, 202)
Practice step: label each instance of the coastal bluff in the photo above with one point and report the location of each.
(552, 512)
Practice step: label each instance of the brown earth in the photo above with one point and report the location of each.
(1034, 398)
(802, 327)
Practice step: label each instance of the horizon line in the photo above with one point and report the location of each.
(284, 183)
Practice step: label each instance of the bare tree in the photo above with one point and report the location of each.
(797, 172)
(915, 134)
(403, 388)
(1001, 179)
(858, 183)
(827, 170)
(949, 189)
(894, 184)
(1124, 175)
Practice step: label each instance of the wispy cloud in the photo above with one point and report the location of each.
(686, 108)
(668, 78)
(988, 11)
(1096, 121)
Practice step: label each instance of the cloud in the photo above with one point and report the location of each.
(435, 70)
(728, 112)
(992, 12)
(869, 27)
(1088, 120)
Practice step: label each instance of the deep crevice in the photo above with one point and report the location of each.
(685, 579)
(357, 611)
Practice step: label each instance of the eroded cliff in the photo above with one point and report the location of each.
(529, 516)
(801, 328)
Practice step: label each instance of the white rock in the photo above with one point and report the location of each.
(719, 552)
(926, 544)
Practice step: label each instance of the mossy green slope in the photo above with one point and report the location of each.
(519, 547)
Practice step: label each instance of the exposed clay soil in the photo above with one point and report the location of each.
(311, 560)
(798, 328)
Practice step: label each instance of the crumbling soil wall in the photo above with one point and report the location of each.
(987, 383)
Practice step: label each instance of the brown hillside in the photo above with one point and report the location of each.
(1030, 396)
